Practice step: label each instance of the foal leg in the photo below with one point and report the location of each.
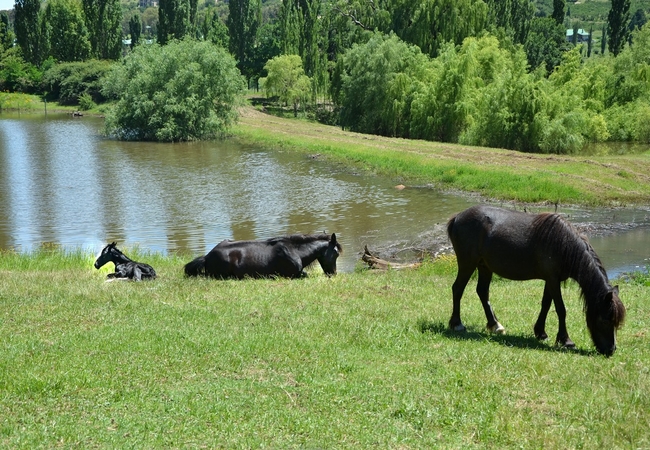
(483, 291)
(457, 289)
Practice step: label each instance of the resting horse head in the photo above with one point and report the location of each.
(108, 254)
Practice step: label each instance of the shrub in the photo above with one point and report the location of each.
(185, 90)
(67, 82)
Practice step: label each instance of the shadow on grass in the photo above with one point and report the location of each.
(509, 340)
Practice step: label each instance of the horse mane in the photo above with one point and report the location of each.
(578, 258)
(302, 239)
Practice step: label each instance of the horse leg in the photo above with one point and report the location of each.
(137, 273)
(483, 291)
(540, 326)
(562, 333)
(457, 289)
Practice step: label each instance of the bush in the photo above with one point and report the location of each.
(16, 75)
(67, 82)
(86, 102)
(185, 90)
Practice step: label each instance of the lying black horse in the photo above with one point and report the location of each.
(124, 267)
(522, 246)
(286, 256)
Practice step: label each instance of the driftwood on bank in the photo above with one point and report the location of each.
(381, 264)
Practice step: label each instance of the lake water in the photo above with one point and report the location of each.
(61, 183)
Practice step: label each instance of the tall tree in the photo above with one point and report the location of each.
(603, 40)
(617, 25)
(135, 29)
(558, 11)
(104, 22)
(65, 31)
(175, 19)
(244, 19)
(302, 35)
(27, 29)
(6, 36)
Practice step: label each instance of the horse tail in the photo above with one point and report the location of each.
(450, 225)
(196, 267)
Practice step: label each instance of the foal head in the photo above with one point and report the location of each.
(328, 257)
(107, 255)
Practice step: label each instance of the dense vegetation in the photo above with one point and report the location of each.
(498, 73)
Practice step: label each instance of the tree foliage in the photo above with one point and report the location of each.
(103, 19)
(287, 80)
(28, 30)
(617, 25)
(185, 90)
(244, 19)
(175, 19)
(65, 32)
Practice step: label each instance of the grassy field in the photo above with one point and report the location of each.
(613, 180)
(360, 360)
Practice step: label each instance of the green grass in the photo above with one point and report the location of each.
(360, 360)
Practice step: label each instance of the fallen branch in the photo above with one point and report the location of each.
(381, 264)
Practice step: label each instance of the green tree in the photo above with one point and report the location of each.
(214, 29)
(244, 19)
(301, 34)
(287, 81)
(65, 31)
(558, 11)
(435, 22)
(617, 25)
(185, 90)
(175, 19)
(27, 29)
(513, 16)
(6, 36)
(545, 43)
(103, 19)
(135, 29)
(377, 84)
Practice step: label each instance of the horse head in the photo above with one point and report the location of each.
(328, 257)
(603, 319)
(106, 255)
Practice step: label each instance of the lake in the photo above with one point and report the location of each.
(62, 183)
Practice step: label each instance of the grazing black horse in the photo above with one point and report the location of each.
(124, 267)
(522, 246)
(281, 256)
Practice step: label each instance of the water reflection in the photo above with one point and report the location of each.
(62, 183)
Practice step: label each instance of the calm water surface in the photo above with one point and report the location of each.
(62, 183)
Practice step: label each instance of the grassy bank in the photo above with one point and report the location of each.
(360, 360)
(493, 173)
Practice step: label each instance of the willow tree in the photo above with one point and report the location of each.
(435, 22)
(182, 91)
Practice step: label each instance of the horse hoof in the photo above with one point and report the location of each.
(497, 328)
(459, 328)
(566, 343)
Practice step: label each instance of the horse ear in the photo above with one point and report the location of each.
(615, 290)
(333, 239)
(113, 244)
